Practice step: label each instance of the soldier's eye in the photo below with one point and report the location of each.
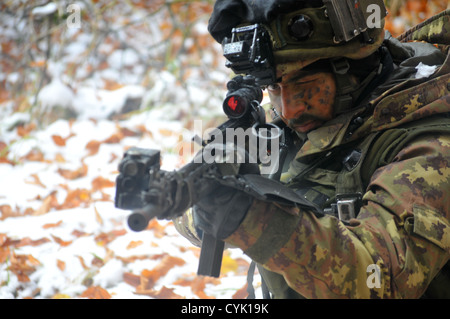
(274, 88)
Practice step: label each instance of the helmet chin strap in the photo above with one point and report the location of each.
(348, 86)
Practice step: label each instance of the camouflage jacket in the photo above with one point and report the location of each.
(400, 240)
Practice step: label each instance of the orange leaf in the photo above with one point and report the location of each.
(61, 242)
(149, 277)
(157, 228)
(241, 293)
(101, 182)
(98, 218)
(93, 147)
(134, 244)
(48, 203)
(75, 198)
(51, 225)
(74, 174)
(58, 140)
(34, 156)
(83, 264)
(36, 181)
(163, 293)
(24, 130)
(96, 292)
(129, 278)
(61, 264)
(59, 158)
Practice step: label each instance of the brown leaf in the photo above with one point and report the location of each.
(52, 225)
(34, 156)
(4, 254)
(129, 278)
(96, 292)
(24, 130)
(98, 217)
(163, 293)
(104, 238)
(58, 140)
(241, 293)
(61, 264)
(22, 266)
(101, 182)
(75, 198)
(134, 244)
(149, 277)
(36, 181)
(158, 230)
(61, 242)
(93, 147)
(48, 203)
(74, 174)
(83, 264)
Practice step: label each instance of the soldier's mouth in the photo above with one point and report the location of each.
(307, 126)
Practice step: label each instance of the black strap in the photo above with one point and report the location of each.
(251, 289)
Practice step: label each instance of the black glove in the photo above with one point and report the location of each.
(221, 211)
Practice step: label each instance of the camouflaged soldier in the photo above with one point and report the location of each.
(370, 116)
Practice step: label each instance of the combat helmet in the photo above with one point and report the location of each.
(258, 34)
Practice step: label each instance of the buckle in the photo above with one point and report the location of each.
(348, 206)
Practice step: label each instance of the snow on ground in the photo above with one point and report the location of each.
(60, 234)
(72, 236)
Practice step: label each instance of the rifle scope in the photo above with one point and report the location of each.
(242, 91)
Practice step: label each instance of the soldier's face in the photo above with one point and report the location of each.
(303, 100)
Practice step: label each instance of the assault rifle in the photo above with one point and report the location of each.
(150, 192)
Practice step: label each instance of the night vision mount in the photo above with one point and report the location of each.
(249, 51)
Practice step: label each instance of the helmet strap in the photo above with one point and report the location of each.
(348, 87)
(345, 85)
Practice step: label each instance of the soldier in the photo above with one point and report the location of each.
(369, 113)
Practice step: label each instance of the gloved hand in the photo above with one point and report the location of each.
(221, 208)
(221, 211)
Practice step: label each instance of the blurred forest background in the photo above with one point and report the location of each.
(139, 38)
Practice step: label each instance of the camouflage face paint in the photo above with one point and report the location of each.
(303, 99)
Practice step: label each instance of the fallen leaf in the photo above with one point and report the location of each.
(149, 277)
(22, 266)
(163, 293)
(4, 254)
(101, 182)
(74, 174)
(105, 238)
(95, 292)
(61, 242)
(60, 264)
(134, 244)
(36, 181)
(83, 264)
(98, 218)
(48, 203)
(58, 140)
(34, 156)
(241, 293)
(158, 230)
(52, 225)
(24, 130)
(61, 296)
(75, 198)
(93, 147)
(129, 278)
(59, 158)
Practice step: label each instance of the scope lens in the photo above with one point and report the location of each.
(235, 106)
